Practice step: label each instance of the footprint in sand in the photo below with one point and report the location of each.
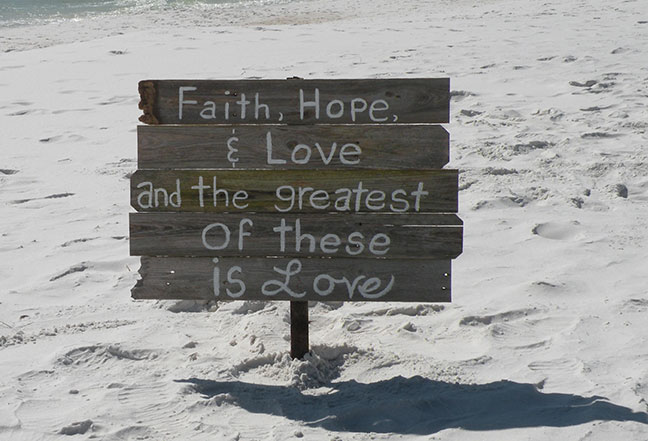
(51, 196)
(74, 269)
(530, 334)
(559, 365)
(559, 230)
(502, 317)
(167, 411)
(50, 139)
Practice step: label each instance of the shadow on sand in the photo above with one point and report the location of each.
(418, 405)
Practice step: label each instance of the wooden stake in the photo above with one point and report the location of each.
(298, 329)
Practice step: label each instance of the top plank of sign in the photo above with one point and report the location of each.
(295, 101)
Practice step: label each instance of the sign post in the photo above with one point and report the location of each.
(299, 190)
(298, 329)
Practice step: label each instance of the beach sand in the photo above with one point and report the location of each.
(546, 337)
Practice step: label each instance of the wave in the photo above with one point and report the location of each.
(26, 12)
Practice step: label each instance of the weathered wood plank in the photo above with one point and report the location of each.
(362, 101)
(417, 146)
(417, 236)
(316, 279)
(302, 191)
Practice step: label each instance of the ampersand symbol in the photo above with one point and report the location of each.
(232, 150)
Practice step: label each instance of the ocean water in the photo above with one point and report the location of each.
(22, 12)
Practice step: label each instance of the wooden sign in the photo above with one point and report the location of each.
(294, 279)
(295, 101)
(420, 236)
(295, 191)
(299, 190)
(420, 146)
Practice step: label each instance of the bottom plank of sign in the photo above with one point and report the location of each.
(314, 279)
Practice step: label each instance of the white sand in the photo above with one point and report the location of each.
(546, 337)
